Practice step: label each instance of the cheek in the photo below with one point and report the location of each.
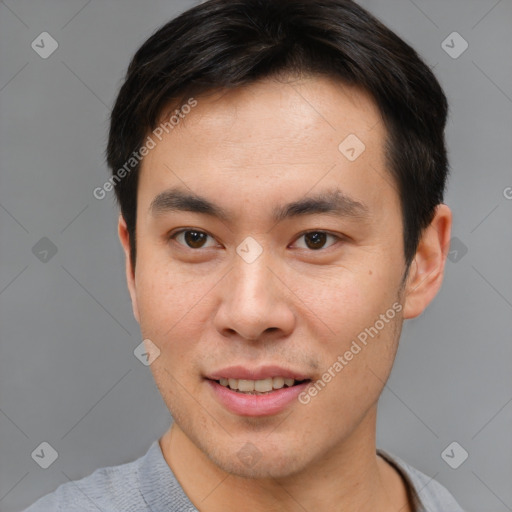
(354, 375)
(360, 315)
(174, 309)
(161, 301)
(164, 291)
(344, 301)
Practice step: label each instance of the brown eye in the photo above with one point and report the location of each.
(195, 239)
(316, 240)
(191, 238)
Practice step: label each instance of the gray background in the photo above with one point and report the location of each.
(68, 375)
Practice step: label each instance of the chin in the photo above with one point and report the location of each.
(271, 463)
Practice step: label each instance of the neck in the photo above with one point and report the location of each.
(348, 477)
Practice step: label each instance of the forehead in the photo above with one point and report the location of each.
(269, 112)
(273, 134)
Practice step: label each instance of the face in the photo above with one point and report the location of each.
(290, 267)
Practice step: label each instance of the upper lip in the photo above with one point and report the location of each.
(262, 372)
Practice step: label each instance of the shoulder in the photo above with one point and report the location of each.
(108, 488)
(428, 494)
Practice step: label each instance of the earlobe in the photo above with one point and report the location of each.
(124, 238)
(427, 269)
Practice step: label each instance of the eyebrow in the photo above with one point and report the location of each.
(331, 202)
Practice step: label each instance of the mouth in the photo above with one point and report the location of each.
(260, 386)
(263, 391)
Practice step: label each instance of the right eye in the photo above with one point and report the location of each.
(191, 238)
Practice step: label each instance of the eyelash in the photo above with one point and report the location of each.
(336, 237)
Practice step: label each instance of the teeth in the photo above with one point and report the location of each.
(278, 382)
(245, 385)
(259, 386)
(264, 385)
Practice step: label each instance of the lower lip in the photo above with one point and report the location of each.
(256, 405)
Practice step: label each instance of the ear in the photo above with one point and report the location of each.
(124, 237)
(427, 269)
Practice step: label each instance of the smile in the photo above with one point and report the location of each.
(258, 387)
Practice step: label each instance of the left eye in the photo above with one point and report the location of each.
(316, 240)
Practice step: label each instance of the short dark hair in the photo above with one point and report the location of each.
(225, 44)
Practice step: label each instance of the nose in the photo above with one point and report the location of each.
(255, 304)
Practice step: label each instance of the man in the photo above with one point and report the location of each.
(280, 169)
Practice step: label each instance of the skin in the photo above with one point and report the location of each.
(249, 150)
